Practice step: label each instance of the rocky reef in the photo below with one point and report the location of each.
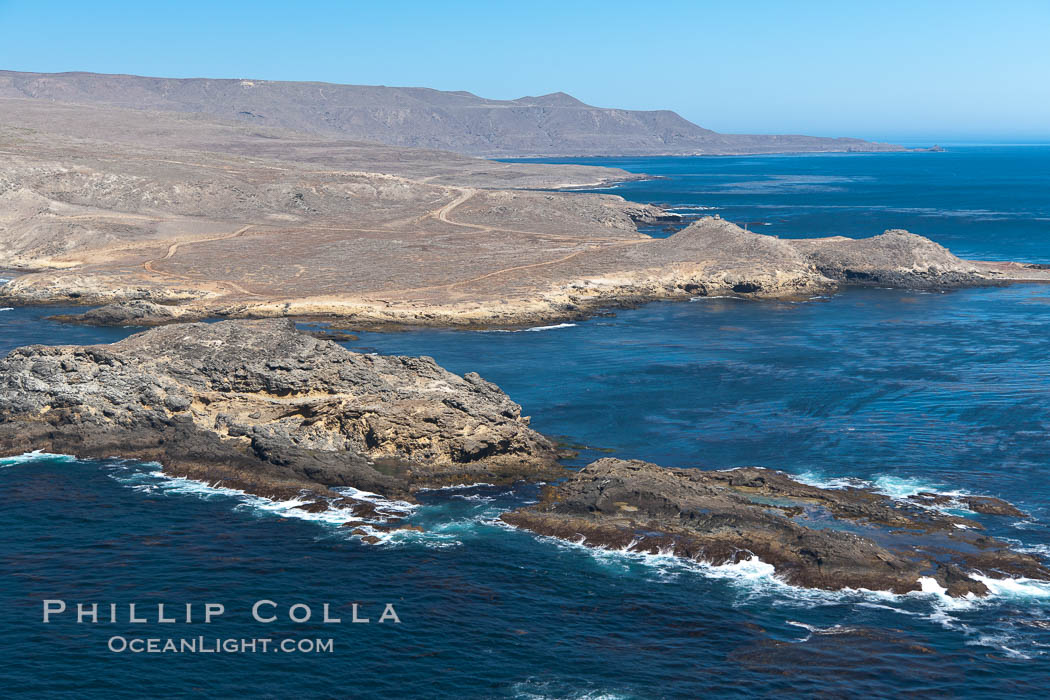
(260, 406)
(813, 537)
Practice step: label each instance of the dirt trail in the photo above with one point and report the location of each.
(467, 193)
(174, 248)
(544, 263)
(442, 213)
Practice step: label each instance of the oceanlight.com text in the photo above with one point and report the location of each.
(214, 645)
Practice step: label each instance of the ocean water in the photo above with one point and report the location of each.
(983, 202)
(902, 390)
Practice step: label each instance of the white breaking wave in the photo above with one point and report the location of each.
(1015, 588)
(756, 580)
(1042, 549)
(902, 488)
(159, 482)
(756, 575)
(716, 296)
(474, 498)
(456, 487)
(534, 329)
(752, 575)
(814, 629)
(836, 482)
(896, 487)
(549, 328)
(387, 506)
(35, 456)
(999, 641)
(440, 535)
(548, 690)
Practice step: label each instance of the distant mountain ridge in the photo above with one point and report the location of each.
(548, 125)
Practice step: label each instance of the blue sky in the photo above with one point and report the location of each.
(925, 70)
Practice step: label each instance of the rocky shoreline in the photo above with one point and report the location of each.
(710, 257)
(262, 407)
(165, 219)
(812, 537)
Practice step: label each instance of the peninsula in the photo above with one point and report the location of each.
(168, 216)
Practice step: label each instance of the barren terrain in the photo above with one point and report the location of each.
(547, 125)
(177, 217)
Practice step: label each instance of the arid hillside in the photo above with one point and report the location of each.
(548, 125)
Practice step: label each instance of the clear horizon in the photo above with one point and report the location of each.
(947, 72)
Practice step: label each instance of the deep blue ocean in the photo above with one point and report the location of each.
(906, 391)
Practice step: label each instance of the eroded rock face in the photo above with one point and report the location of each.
(813, 537)
(261, 406)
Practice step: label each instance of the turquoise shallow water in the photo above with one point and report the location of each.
(907, 391)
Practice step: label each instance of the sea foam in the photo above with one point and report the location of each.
(155, 482)
(896, 487)
(534, 329)
(549, 328)
(35, 456)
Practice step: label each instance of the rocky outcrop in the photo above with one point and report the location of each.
(813, 537)
(714, 257)
(741, 262)
(260, 406)
(896, 258)
(137, 312)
